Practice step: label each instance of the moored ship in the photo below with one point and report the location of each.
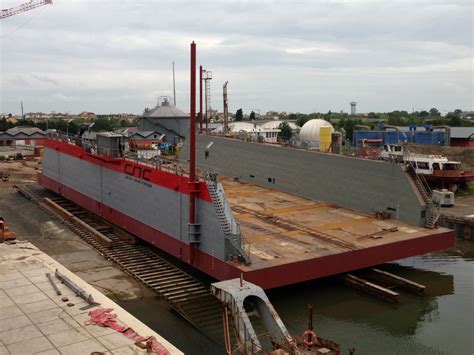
(435, 168)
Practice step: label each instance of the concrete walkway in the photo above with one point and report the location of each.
(34, 319)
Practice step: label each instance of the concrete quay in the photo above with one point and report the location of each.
(35, 320)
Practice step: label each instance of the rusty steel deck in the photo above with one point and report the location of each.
(281, 228)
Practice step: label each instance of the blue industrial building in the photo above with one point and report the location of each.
(394, 135)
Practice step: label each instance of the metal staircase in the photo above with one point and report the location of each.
(420, 183)
(432, 220)
(425, 193)
(226, 220)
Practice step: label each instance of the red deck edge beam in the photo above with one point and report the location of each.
(155, 176)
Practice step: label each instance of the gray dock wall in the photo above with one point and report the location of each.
(357, 184)
(159, 207)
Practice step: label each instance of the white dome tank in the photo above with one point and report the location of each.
(310, 132)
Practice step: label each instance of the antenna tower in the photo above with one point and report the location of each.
(207, 77)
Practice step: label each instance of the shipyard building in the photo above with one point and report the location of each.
(166, 119)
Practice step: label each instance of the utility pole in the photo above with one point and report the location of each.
(226, 108)
(174, 88)
(207, 76)
(67, 127)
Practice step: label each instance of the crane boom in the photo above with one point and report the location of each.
(30, 5)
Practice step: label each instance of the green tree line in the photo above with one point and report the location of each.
(73, 127)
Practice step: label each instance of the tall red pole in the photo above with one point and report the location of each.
(207, 117)
(200, 99)
(192, 154)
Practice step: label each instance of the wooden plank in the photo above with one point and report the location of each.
(371, 288)
(101, 238)
(58, 208)
(398, 281)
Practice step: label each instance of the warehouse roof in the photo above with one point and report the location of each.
(165, 110)
(24, 130)
(456, 132)
(462, 132)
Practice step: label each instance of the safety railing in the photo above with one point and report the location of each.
(225, 215)
(160, 162)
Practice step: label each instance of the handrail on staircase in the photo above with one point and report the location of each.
(420, 182)
(228, 223)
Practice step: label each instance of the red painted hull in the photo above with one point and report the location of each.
(454, 177)
(269, 277)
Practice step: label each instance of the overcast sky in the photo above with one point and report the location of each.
(295, 56)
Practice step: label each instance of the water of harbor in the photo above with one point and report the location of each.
(441, 322)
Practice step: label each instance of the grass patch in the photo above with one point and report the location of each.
(467, 192)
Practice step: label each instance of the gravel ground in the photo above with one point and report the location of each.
(31, 223)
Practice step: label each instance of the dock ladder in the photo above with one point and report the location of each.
(224, 215)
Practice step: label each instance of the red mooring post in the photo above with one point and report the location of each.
(200, 99)
(192, 153)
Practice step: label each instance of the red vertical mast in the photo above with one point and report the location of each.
(200, 99)
(193, 186)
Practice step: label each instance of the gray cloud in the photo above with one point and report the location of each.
(109, 56)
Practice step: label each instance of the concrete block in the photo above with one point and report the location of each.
(32, 346)
(98, 331)
(83, 347)
(21, 290)
(46, 285)
(10, 312)
(14, 323)
(48, 315)
(35, 272)
(58, 325)
(19, 334)
(6, 302)
(65, 291)
(5, 285)
(76, 309)
(3, 350)
(115, 340)
(37, 278)
(30, 297)
(11, 276)
(69, 336)
(128, 350)
(49, 352)
(34, 307)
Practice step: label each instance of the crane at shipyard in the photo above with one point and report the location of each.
(30, 5)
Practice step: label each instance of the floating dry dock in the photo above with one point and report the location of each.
(272, 237)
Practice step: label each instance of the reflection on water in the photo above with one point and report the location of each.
(441, 322)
